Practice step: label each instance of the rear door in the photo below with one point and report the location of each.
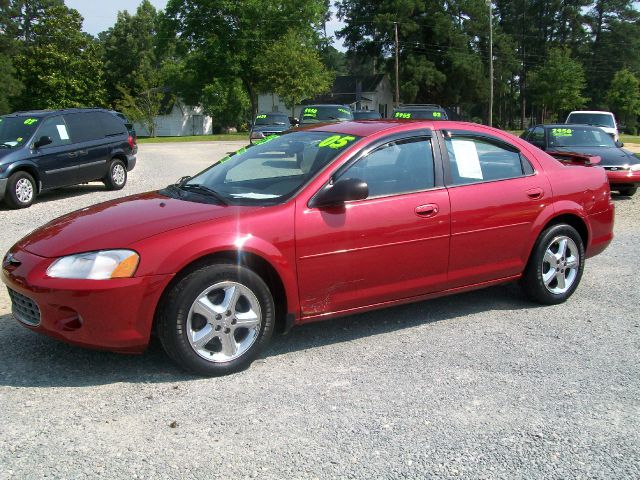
(496, 196)
(90, 150)
(392, 245)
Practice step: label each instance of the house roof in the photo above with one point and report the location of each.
(338, 98)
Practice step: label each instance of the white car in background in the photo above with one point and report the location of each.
(597, 118)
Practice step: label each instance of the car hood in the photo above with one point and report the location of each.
(120, 223)
(5, 152)
(608, 155)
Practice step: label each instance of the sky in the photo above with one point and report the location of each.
(99, 15)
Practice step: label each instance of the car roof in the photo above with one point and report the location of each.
(566, 125)
(273, 113)
(327, 105)
(365, 128)
(592, 111)
(44, 113)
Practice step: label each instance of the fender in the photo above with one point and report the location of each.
(25, 164)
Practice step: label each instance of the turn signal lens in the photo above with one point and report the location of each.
(100, 265)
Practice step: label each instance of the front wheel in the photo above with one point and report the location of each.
(628, 191)
(217, 319)
(555, 266)
(116, 176)
(21, 190)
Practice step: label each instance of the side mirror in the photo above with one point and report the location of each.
(44, 140)
(344, 190)
(619, 144)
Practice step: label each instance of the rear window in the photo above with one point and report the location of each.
(597, 119)
(325, 113)
(85, 127)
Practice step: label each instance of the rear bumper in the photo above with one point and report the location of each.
(3, 187)
(625, 178)
(131, 162)
(114, 315)
(601, 231)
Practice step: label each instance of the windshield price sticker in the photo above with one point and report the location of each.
(310, 112)
(265, 140)
(561, 132)
(402, 115)
(437, 115)
(31, 121)
(336, 141)
(344, 110)
(261, 116)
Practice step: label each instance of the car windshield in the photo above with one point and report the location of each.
(15, 131)
(270, 119)
(270, 171)
(579, 137)
(325, 113)
(599, 119)
(411, 114)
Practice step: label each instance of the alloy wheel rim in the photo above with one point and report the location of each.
(560, 264)
(118, 174)
(24, 190)
(224, 322)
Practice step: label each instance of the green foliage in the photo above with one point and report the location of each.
(623, 97)
(60, 67)
(11, 86)
(225, 101)
(143, 107)
(558, 85)
(293, 70)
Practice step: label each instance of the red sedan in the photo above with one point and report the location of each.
(320, 222)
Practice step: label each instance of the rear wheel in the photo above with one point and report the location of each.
(21, 190)
(555, 266)
(116, 177)
(217, 319)
(628, 191)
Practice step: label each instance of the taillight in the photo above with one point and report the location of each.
(132, 142)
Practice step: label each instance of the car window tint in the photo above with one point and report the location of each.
(84, 127)
(56, 129)
(397, 167)
(473, 160)
(111, 124)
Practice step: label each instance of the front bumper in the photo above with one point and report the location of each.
(3, 187)
(115, 315)
(627, 178)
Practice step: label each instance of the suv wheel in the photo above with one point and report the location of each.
(21, 190)
(116, 178)
(628, 191)
(217, 319)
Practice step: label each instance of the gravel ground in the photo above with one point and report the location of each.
(478, 385)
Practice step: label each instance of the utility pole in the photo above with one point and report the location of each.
(490, 4)
(395, 24)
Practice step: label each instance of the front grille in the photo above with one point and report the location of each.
(24, 309)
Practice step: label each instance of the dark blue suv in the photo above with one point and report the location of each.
(43, 150)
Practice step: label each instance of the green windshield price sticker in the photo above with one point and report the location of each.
(31, 121)
(437, 115)
(402, 115)
(561, 132)
(344, 110)
(310, 112)
(336, 141)
(19, 139)
(261, 116)
(265, 139)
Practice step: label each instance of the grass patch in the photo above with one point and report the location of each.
(197, 138)
(630, 138)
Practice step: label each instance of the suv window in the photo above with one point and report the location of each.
(474, 160)
(85, 126)
(55, 128)
(396, 167)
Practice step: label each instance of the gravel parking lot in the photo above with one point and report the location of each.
(479, 385)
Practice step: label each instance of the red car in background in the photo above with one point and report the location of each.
(319, 222)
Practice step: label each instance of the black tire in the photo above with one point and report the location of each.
(176, 321)
(533, 279)
(628, 191)
(21, 190)
(116, 177)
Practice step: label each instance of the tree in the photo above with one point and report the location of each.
(623, 97)
(11, 86)
(558, 85)
(61, 67)
(293, 70)
(143, 107)
(225, 101)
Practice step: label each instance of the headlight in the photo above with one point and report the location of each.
(96, 265)
(256, 135)
(635, 168)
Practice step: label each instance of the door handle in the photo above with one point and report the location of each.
(535, 193)
(73, 154)
(428, 210)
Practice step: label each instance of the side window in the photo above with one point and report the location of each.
(84, 127)
(397, 167)
(473, 160)
(111, 124)
(55, 128)
(537, 136)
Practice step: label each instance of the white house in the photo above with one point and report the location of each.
(368, 92)
(177, 120)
